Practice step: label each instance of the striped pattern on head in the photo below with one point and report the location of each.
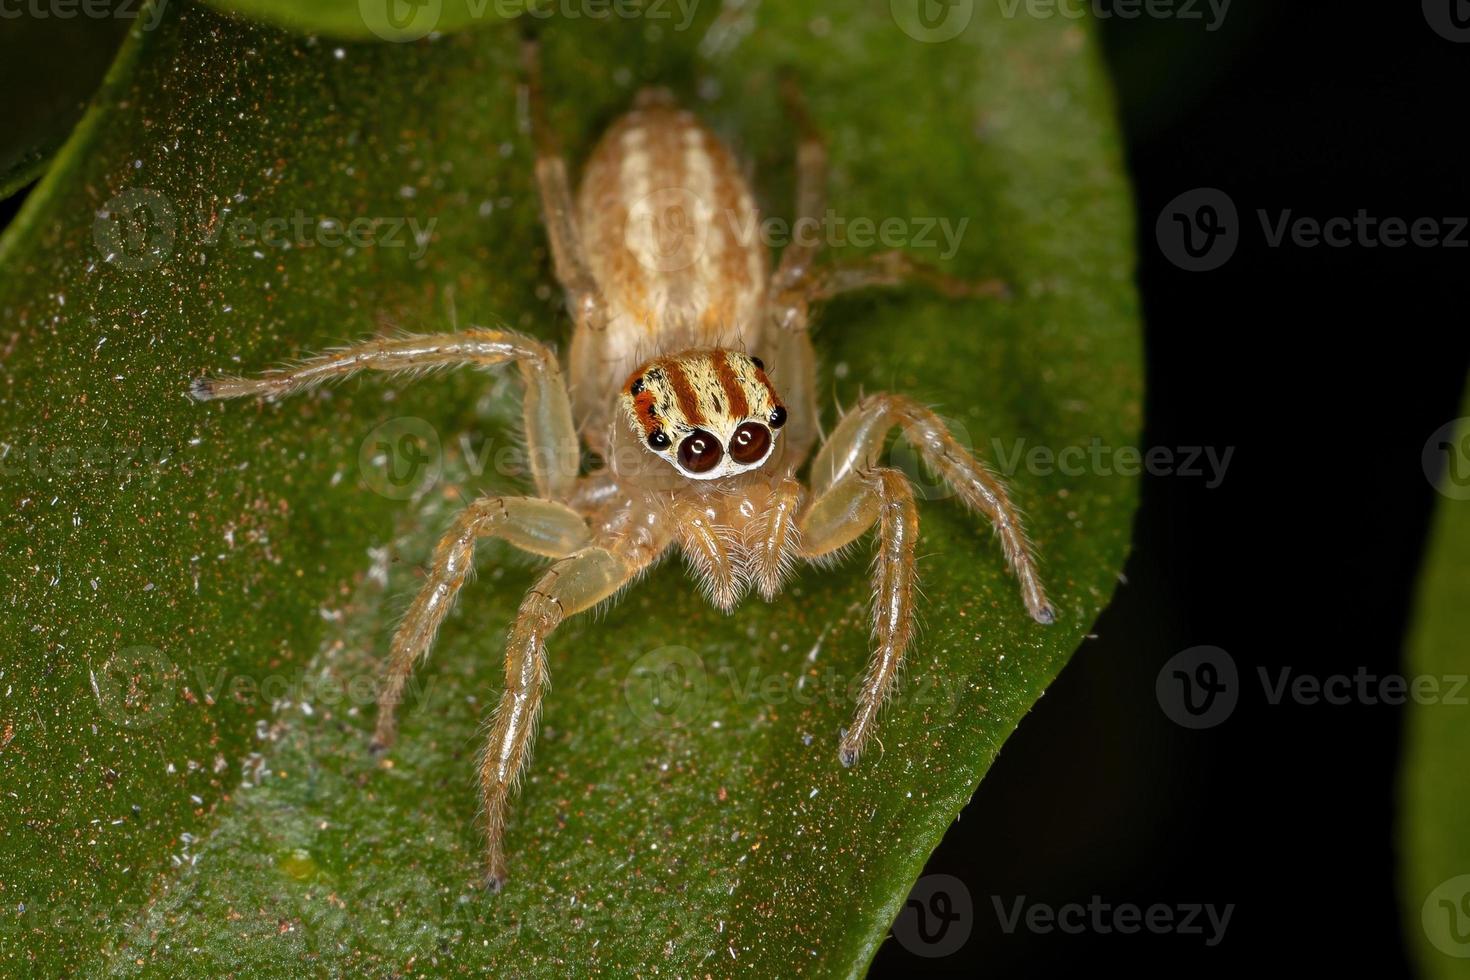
(710, 412)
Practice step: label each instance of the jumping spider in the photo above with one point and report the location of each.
(702, 450)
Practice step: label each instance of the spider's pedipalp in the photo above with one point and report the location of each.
(711, 550)
(772, 542)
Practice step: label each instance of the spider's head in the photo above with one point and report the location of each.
(709, 412)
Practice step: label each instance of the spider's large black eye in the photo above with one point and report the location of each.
(758, 362)
(658, 440)
(778, 417)
(750, 443)
(700, 452)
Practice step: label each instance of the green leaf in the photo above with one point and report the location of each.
(1436, 865)
(196, 598)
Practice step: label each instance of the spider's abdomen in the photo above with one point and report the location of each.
(671, 233)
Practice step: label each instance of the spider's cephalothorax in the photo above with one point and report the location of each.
(671, 304)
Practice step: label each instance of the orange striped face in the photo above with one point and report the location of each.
(710, 412)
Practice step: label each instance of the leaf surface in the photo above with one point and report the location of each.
(196, 598)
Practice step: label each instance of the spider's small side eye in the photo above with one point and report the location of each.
(700, 452)
(636, 388)
(750, 443)
(760, 364)
(778, 417)
(658, 440)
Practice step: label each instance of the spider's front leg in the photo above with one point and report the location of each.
(541, 527)
(851, 493)
(551, 438)
(834, 520)
(858, 441)
(569, 586)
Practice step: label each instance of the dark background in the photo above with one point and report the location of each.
(1326, 369)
